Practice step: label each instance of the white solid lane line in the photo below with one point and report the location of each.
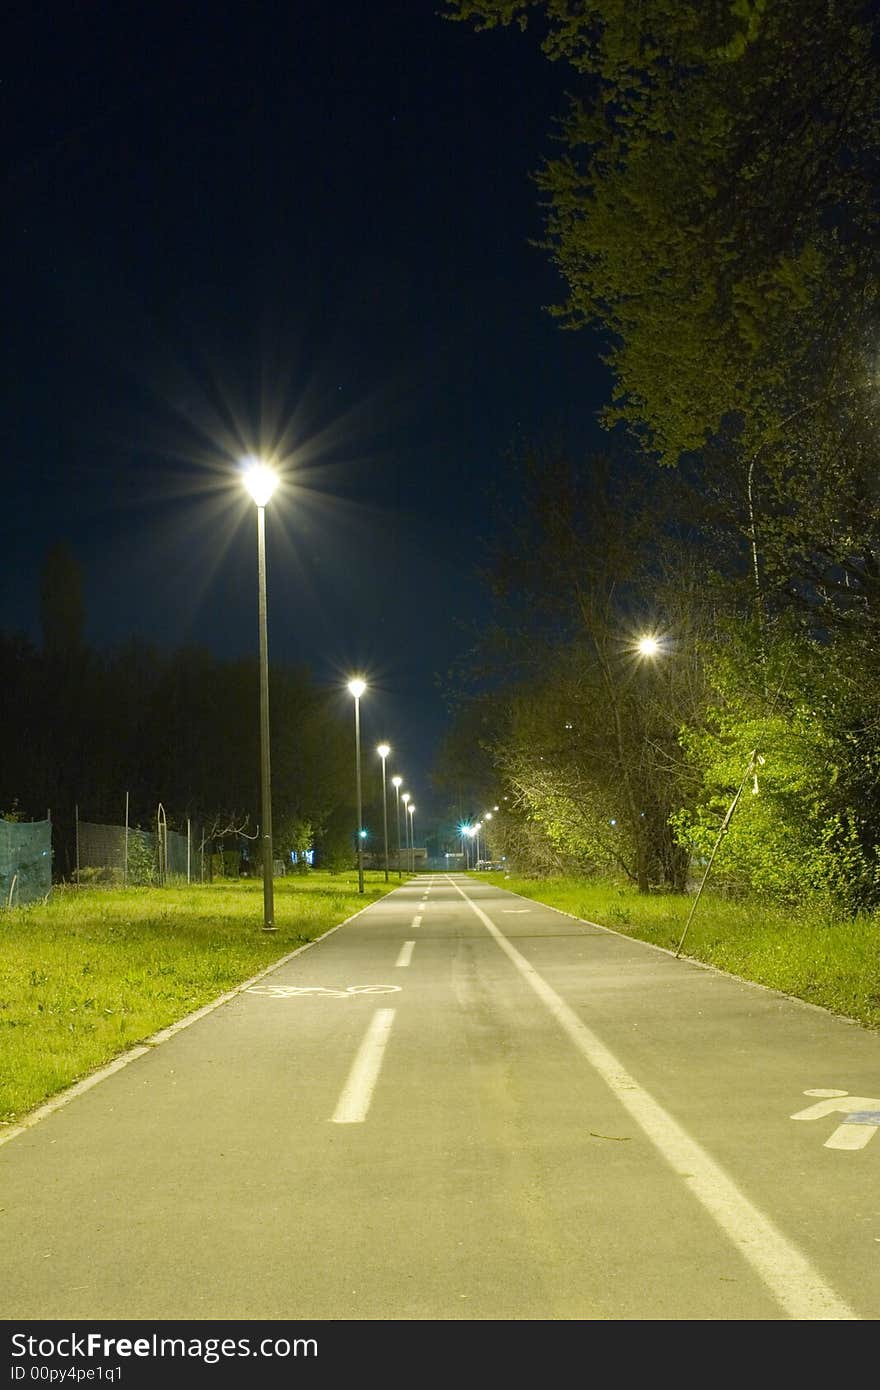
(406, 951)
(787, 1273)
(354, 1102)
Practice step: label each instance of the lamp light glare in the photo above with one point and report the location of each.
(357, 687)
(649, 646)
(260, 480)
(383, 750)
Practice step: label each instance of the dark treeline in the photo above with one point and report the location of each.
(181, 728)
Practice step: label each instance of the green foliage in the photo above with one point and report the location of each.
(143, 864)
(696, 211)
(796, 828)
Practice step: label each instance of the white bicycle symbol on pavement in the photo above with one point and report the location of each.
(325, 991)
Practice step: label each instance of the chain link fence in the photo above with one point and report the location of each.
(129, 855)
(25, 861)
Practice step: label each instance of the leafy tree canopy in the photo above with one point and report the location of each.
(714, 206)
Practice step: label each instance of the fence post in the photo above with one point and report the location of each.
(188, 849)
(76, 820)
(125, 861)
(162, 843)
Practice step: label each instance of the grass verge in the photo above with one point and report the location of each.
(811, 953)
(93, 972)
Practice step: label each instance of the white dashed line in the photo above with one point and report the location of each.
(406, 951)
(357, 1092)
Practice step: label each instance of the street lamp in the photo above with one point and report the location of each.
(405, 798)
(261, 482)
(412, 837)
(396, 783)
(356, 687)
(383, 750)
(648, 645)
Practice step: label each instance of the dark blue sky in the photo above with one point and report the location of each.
(300, 227)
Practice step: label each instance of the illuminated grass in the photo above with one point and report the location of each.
(810, 953)
(96, 971)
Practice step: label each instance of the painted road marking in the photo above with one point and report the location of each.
(416, 921)
(860, 1125)
(786, 1272)
(406, 951)
(515, 911)
(354, 1102)
(301, 991)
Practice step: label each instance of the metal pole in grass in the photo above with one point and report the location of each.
(356, 687)
(383, 750)
(750, 772)
(125, 858)
(76, 819)
(396, 782)
(261, 482)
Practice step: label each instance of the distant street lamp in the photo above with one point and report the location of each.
(648, 645)
(412, 837)
(383, 750)
(396, 783)
(406, 798)
(356, 687)
(261, 482)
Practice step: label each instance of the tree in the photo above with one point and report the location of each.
(580, 728)
(714, 210)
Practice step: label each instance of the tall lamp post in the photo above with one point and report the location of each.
(396, 783)
(412, 837)
(356, 688)
(261, 482)
(383, 750)
(406, 798)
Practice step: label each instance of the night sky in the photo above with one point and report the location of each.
(300, 229)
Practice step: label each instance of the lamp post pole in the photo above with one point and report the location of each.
(383, 751)
(357, 688)
(395, 782)
(406, 798)
(261, 483)
(412, 837)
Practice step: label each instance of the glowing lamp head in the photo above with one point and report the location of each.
(260, 480)
(648, 646)
(357, 687)
(397, 781)
(405, 798)
(411, 808)
(383, 750)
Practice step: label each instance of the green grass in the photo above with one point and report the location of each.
(93, 972)
(810, 953)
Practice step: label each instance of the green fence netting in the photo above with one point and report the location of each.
(25, 861)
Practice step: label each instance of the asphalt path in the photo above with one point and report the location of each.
(461, 1104)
